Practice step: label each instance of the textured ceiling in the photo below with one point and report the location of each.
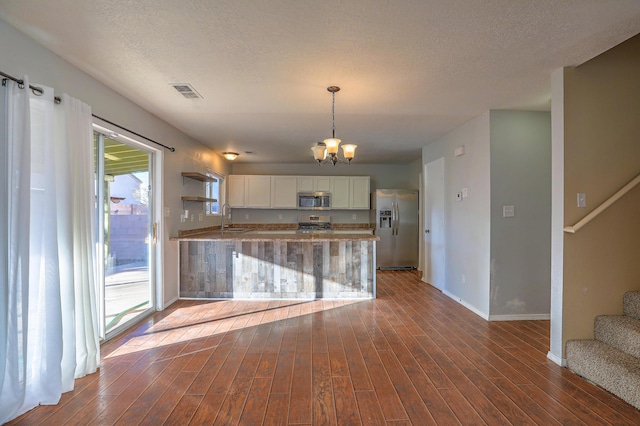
(409, 70)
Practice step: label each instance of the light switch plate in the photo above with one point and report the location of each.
(582, 199)
(459, 196)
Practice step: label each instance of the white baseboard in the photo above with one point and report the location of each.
(562, 362)
(521, 317)
(170, 302)
(466, 305)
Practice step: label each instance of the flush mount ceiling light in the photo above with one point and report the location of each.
(330, 146)
(230, 155)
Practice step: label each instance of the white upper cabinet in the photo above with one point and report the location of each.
(284, 192)
(250, 191)
(340, 190)
(235, 193)
(257, 191)
(281, 192)
(314, 183)
(322, 183)
(305, 183)
(359, 192)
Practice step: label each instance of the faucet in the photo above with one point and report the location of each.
(222, 214)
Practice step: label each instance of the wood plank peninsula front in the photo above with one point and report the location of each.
(277, 265)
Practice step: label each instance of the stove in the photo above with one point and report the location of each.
(314, 224)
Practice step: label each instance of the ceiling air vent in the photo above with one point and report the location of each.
(186, 90)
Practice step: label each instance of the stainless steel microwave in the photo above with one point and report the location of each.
(314, 201)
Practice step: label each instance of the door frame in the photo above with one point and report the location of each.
(428, 258)
(156, 249)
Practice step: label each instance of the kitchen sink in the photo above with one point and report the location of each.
(236, 230)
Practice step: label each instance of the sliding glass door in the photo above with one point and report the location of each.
(125, 232)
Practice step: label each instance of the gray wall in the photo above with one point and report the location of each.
(467, 222)
(21, 55)
(521, 245)
(498, 267)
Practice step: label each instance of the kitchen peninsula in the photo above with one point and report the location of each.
(277, 264)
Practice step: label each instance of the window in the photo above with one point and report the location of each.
(214, 190)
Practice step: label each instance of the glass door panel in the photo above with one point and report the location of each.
(124, 234)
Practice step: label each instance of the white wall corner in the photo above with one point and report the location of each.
(557, 213)
(169, 303)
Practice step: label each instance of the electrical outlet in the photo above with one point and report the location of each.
(463, 279)
(280, 216)
(167, 212)
(508, 211)
(182, 219)
(354, 216)
(200, 217)
(191, 218)
(246, 216)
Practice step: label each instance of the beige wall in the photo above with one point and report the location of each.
(601, 154)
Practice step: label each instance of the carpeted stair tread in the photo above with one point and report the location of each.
(631, 304)
(614, 370)
(621, 332)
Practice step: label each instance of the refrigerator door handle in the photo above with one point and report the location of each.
(393, 218)
(397, 218)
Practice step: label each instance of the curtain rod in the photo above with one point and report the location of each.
(38, 91)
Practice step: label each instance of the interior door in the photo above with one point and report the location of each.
(434, 239)
(125, 232)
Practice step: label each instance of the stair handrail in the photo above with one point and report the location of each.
(602, 207)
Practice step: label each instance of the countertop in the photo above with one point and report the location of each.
(279, 235)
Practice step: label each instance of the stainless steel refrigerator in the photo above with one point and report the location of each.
(396, 221)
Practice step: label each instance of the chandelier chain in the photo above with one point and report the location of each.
(333, 115)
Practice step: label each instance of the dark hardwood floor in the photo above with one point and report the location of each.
(412, 356)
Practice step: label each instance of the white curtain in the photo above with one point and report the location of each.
(48, 326)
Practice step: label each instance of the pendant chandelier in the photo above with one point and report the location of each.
(330, 146)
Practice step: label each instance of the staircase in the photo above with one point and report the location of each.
(612, 360)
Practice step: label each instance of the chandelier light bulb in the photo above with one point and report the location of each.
(332, 145)
(349, 151)
(319, 152)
